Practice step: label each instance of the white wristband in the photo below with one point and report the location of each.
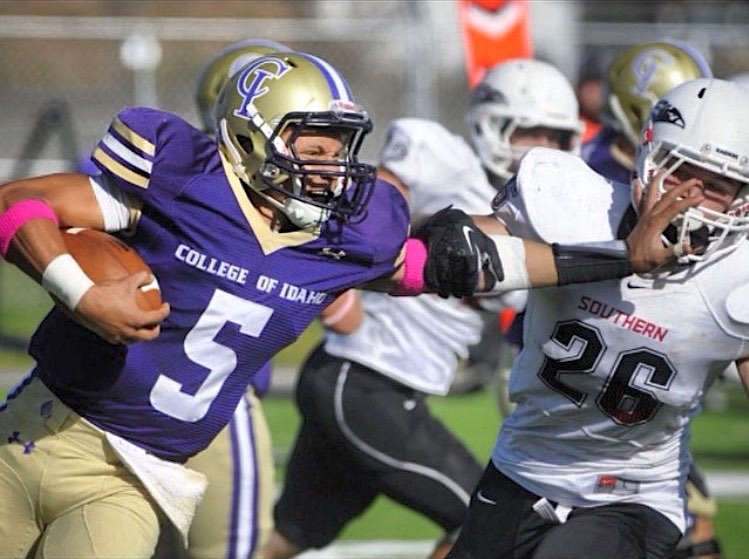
(65, 279)
(511, 252)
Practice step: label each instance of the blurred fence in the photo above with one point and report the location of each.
(63, 78)
(81, 66)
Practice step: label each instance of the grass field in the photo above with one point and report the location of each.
(721, 442)
(720, 438)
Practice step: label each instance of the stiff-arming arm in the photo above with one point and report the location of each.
(462, 256)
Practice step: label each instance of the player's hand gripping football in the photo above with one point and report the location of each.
(110, 310)
(461, 258)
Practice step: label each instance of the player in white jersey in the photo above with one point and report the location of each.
(366, 428)
(518, 104)
(593, 460)
(636, 78)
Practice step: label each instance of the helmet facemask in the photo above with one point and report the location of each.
(313, 189)
(706, 230)
(279, 103)
(316, 189)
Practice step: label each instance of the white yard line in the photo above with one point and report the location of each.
(381, 549)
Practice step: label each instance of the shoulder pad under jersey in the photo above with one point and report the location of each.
(144, 146)
(724, 286)
(559, 199)
(437, 166)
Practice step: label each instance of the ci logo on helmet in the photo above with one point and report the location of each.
(251, 84)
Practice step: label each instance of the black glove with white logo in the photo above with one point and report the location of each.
(458, 252)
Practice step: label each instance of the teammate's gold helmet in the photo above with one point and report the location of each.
(221, 67)
(639, 76)
(266, 106)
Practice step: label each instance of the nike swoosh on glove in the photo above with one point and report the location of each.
(458, 252)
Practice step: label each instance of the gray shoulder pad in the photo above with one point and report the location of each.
(724, 286)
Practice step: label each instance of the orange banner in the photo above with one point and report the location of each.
(493, 31)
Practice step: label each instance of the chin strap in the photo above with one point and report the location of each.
(235, 159)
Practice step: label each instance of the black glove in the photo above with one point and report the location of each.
(458, 252)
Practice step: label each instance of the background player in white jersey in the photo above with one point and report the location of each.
(120, 397)
(522, 103)
(518, 104)
(366, 428)
(593, 461)
(635, 79)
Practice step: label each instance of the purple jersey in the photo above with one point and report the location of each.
(238, 291)
(597, 154)
(261, 380)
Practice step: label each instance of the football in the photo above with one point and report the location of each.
(104, 257)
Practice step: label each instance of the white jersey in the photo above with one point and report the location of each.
(612, 372)
(418, 340)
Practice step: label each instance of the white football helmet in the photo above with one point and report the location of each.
(521, 93)
(702, 122)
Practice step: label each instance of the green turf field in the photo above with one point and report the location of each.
(721, 442)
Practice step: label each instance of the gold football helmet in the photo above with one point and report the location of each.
(641, 75)
(261, 112)
(221, 67)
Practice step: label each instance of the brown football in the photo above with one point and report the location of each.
(104, 257)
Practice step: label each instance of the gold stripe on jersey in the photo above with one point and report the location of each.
(118, 169)
(269, 241)
(133, 137)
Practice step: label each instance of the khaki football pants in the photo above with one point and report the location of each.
(211, 532)
(63, 491)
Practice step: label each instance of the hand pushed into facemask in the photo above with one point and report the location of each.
(461, 258)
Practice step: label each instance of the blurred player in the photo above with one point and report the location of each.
(366, 428)
(636, 78)
(594, 459)
(518, 104)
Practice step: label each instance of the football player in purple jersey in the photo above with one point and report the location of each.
(250, 235)
(233, 518)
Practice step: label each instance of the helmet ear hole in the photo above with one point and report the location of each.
(245, 142)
